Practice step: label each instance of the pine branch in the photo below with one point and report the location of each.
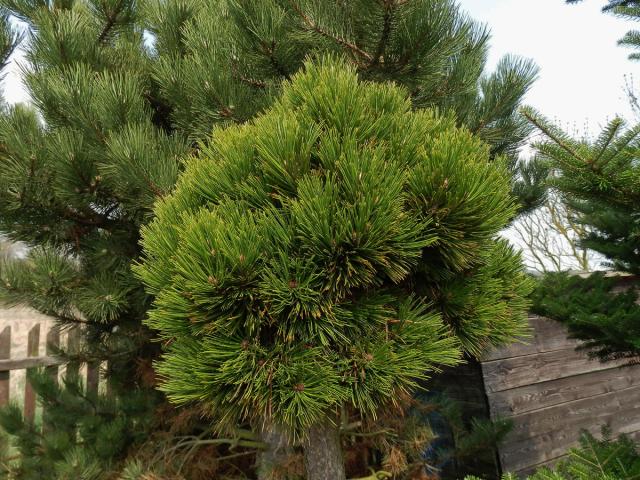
(389, 6)
(269, 51)
(259, 84)
(110, 23)
(549, 133)
(339, 40)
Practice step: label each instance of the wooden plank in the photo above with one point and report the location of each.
(596, 410)
(29, 362)
(546, 335)
(516, 401)
(548, 433)
(33, 347)
(5, 352)
(546, 450)
(526, 472)
(541, 367)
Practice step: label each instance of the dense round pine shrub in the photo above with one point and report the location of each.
(326, 256)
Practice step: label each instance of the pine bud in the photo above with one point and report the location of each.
(299, 387)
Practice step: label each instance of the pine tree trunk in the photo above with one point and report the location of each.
(277, 452)
(323, 453)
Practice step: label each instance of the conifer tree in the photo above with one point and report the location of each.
(600, 181)
(122, 90)
(212, 71)
(325, 256)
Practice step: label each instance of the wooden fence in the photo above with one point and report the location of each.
(34, 360)
(552, 392)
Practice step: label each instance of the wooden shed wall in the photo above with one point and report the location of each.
(552, 392)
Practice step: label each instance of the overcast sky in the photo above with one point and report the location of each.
(582, 68)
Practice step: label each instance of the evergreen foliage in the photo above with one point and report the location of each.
(122, 90)
(428, 46)
(468, 444)
(607, 322)
(85, 433)
(9, 39)
(220, 72)
(328, 254)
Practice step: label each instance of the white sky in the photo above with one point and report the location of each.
(582, 67)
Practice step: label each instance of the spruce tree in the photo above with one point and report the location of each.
(600, 181)
(325, 256)
(121, 91)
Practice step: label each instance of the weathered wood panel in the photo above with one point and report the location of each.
(521, 400)
(545, 336)
(552, 392)
(29, 362)
(526, 370)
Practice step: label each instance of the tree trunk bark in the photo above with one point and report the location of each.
(276, 454)
(323, 453)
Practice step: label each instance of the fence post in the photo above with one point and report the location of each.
(73, 348)
(33, 346)
(93, 378)
(53, 344)
(5, 353)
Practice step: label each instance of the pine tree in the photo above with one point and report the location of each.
(122, 90)
(325, 256)
(212, 71)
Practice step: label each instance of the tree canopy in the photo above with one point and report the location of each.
(327, 255)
